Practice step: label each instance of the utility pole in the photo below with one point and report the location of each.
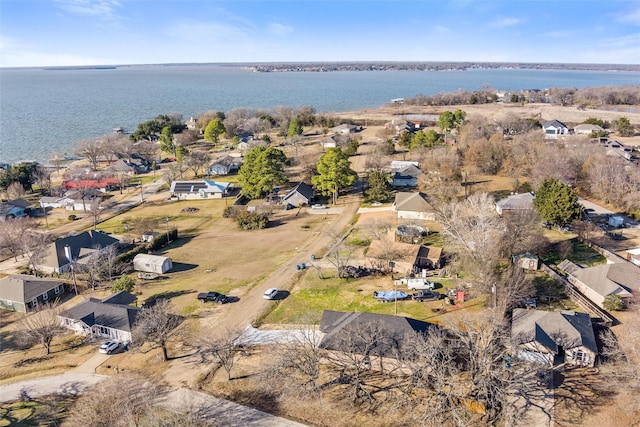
(166, 219)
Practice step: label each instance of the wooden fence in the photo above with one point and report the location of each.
(578, 297)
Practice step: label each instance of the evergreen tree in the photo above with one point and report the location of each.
(556, 202)
(334, 173)
(262, 170)
(378, 190)
(295, 128)
(166, 141)
(214, 129)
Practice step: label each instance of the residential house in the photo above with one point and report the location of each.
(204, 189)
(633, 256)
(329, 142)
(344, 129)
(191, 124)
(554, 129)
(401, 164)
(369, 334)
(16, 208)
(111, 317)
(72, 200)
(413, 206)
(301, 194)
(225, 165)
(515, 203)
(22, 293)
(389, 255)
(587, 129)
(554, 337)
(79, 248)
(103, 185)
(122, 167)
(601, 281)
(406, 176)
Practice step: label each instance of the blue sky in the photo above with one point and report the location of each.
(97, 32)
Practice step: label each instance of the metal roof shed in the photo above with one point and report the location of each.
(152, 263)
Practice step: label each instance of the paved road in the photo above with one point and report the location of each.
(77, 381)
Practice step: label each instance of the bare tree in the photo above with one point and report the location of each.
(34, 246)
(15, 190)
(122, 400)
(339, 253)
(11, 233)
(196, 161)
(298, 360)
(91, 149)
(477, 232)
(41, 327)
(523, 233)
(221, 349)
(156, 325)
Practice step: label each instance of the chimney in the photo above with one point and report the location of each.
(67, 253)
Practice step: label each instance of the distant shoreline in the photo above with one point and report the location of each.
(361, 66)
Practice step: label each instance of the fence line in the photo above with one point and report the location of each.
(579, 298)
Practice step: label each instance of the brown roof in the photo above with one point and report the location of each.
(415, 202)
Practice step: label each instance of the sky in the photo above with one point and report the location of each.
(113, 32)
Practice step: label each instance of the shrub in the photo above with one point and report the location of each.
(613, 303)
(72, 217)
(251, 221)
(124, 283)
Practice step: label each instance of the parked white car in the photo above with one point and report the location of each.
(270, 293)
(109, 347)
(318, 206)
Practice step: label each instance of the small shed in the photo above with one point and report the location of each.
(616, 221)
(152, 263)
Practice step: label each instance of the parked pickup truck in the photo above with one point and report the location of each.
(425, 295)
(415, 283)
(213, 297)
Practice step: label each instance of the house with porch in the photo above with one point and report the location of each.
(111, 317)
(554, 337)
(19, 292)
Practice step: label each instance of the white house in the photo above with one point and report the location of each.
(111, 317)
(554, 129)
(204, 189)
(587, 129)
(152, 263)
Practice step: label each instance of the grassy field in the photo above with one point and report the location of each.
(312, 295)
(579, 254)
(45, 411)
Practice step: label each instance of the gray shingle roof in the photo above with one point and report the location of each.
(568, 329)
(95, 312)
(23, 288)
(340, 327)
(523, 201)
(415, 202)
(79, 243)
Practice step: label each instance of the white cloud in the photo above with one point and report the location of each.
(279, 29)
(559, 34)
(206, 32)
(441, 29)
(630, 17)
(505, 22)
(105, 9)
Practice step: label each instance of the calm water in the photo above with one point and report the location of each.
(46, 111)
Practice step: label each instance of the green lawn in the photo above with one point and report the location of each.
(313, 295)
(580, 254)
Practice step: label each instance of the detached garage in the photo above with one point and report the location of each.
(152, 263)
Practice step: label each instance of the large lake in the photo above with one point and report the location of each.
(47, 111)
